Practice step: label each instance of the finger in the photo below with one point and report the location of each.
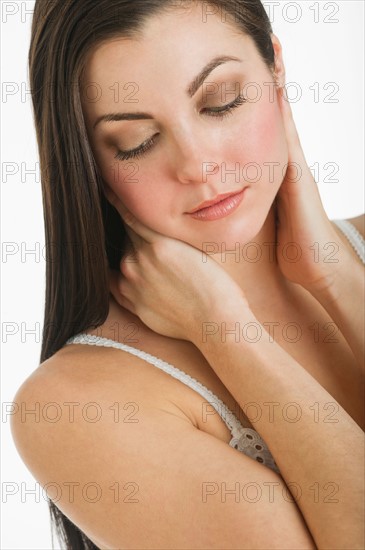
(133, 227)
(295, 148)
(135, 239)
(109, 194)
(124, 302)
(298, 171)
(130, 254)
(115, 290)
(123, 212)
(136, 228)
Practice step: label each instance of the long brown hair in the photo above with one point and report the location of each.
(84, 233)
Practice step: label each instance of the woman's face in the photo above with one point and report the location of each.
(191, 154)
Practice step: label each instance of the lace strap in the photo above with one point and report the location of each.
(224, 412)
(353, 236)
(243, 439)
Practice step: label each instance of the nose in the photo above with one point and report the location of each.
(192, 156)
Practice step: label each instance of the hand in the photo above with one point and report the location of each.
(316, 252)
(170, 285)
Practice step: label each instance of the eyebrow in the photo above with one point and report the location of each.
(191, 90)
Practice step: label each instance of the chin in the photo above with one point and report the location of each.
(228, 234)
(243, 226)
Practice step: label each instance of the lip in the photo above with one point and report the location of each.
(219, 207)
(217, 199)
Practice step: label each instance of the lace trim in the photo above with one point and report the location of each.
(353, 236)
(245, 440)
(251, 444)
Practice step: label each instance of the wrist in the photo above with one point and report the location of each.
(224, 321)
(345, 278)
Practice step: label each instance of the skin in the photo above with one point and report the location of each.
(170, 270)
(258, 131)
(172, 169)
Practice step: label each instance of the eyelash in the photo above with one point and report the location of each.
(220, 113)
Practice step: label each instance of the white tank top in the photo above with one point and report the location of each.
(245, 440)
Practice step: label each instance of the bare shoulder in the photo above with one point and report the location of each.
(94, 377)
(112, 452)
(359, 223)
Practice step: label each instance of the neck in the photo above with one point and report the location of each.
(253, 266)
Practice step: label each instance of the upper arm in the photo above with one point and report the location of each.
(148, 478)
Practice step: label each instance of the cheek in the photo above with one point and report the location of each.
(271, 134)
(263, 151)
(145, 197)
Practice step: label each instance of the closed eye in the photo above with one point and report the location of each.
(225, 110)
(216, 112)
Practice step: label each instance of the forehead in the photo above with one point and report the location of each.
(177, 40)
(153, 70)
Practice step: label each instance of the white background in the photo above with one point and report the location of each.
(322, 52)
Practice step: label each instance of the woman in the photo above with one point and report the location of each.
(170, 157)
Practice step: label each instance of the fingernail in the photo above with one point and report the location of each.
(110, 195)
(127, 218)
